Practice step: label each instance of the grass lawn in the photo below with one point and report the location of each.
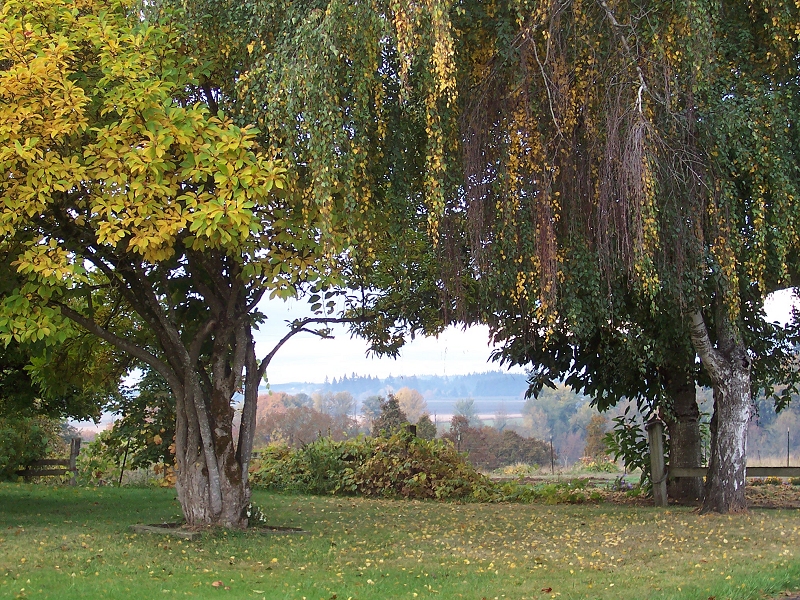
(61, 542)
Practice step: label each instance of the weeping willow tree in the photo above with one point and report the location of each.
(629, 188)
(587, 177)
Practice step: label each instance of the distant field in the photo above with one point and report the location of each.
(69, 543)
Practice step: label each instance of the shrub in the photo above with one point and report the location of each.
(628, 441)
(574, 491)
(24, 440)
(401, 465)
(620, 485)
(517, 470)
(315, 468)
(410, 467)
(96, 463)
(757, 481)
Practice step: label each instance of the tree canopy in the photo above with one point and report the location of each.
(134, 208)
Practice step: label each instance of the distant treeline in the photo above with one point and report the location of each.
(474, 385)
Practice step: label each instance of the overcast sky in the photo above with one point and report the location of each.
(308, 358)
(456, 352)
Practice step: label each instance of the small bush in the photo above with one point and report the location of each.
(96, 465)
(757, 481)
(600, 466)
(569, 492)
(794, 481)
(620, 485)
(517, 470)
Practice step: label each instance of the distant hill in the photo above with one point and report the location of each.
(489, 389)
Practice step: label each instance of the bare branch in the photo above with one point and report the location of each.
(299, 326)
(546, 81)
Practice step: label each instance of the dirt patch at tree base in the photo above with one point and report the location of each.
(762, 496)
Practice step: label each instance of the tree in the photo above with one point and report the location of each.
(595, 444)
(500, 421)
(574, 158)
(426, 429)
(144, 431)
(339, 404)
(300, 425)
(609, 180)
(466, 408)
(73, 380)
(130, 195)
(370, 409)
(490, 449)
(411, 402)
(390, 419)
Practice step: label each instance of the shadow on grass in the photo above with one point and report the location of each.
(47, 504)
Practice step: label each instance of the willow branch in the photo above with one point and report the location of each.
(615, 25)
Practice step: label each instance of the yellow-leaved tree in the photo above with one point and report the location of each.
(123, 192)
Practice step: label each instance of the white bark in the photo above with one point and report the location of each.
(730, 373)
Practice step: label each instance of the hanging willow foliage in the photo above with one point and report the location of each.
(650, 143)
(656, 137)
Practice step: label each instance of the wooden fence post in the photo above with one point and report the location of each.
(74, 449)
(655, 438)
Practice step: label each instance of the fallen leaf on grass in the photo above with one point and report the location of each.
(547, 590)
(216, 584)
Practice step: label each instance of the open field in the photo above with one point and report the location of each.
(60, 542)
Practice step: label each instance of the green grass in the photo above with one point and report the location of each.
(61, 542)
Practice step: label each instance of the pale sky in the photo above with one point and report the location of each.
(308, 358)
(456, 352)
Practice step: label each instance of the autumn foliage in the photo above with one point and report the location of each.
(488, 448)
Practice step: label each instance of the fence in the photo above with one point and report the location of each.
(68, 465)
(661, 472)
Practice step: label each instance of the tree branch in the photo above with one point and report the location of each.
(161, 367)
(197, 342)
(299, 326)
(615, 25)
(709, 356)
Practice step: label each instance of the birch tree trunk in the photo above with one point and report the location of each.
(728, 366)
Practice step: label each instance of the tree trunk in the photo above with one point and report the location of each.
(685, 442)
(728, 366)
(209, 483)
(725, 485)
